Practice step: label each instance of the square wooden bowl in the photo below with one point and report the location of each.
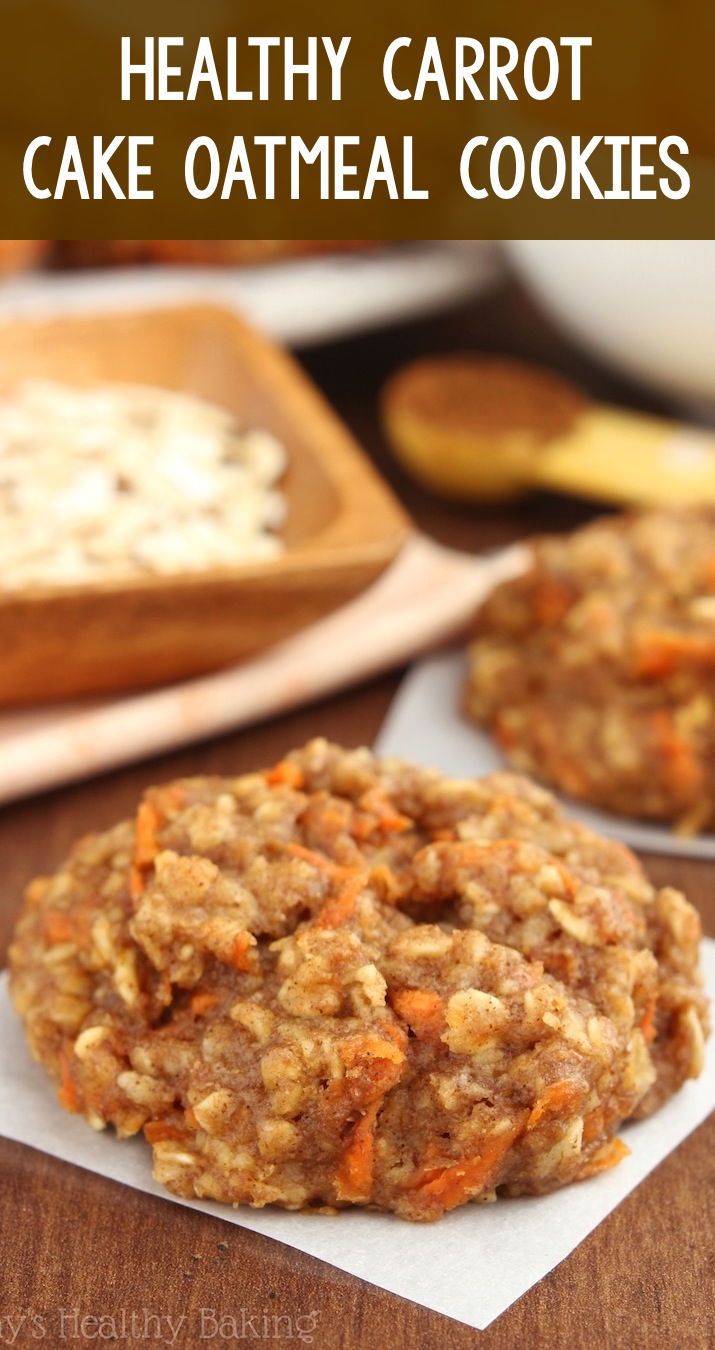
(343, 526)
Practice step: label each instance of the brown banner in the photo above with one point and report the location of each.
(390, 120)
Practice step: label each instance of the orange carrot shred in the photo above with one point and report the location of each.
(560, 1096)
(422, 1009)
(460, 1181)
(681, 764)
(648, 1026)
(609, 1155)
(202, 1003)
(388, 819)
(369, 1045)
(285, 774)
(68, 1093)
(309, 855)
(58, 927)
(659, 653)
(340, 908)
(353, 1180)
(146, 845)
(240, 958)
(157, 1130)
(147, 824)
(551, 600)
(594, 1124)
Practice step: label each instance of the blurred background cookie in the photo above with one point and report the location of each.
(596, 669)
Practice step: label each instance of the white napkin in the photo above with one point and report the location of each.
(471, 1265)
(426, 596)
(426, 723)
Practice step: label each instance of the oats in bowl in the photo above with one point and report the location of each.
(114, 482)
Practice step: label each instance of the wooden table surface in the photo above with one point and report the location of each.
(70, 1240)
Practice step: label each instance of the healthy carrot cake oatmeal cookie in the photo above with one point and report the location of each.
(595, 669)
(352, 982)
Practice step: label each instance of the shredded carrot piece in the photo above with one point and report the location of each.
(422, 1009)
(240, 953)
(396, 1034)
(316, 859)
(363, 826)
(682, 768)
(58, 927)
(202, 1003)
(369, 1046)
(504, 733)
(373, 1067)
(389, 819)
(659, 653)
(68, 1093)
(609, 1155)
(146, 846)
(353, 1180)
(340, 908)
(459, 1182)
(559, 964)
(444, 836)
(148, 822)
(285, 774)
(593, 1124)
(561, 1096)
(156, 1130)
(648, 1026)
(374, 1064)
(334, 817)
(551, 600)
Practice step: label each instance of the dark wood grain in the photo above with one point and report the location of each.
(71, 1240)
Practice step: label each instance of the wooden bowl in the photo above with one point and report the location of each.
(343, 526)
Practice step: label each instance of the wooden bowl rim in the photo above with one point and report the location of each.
(342, 542)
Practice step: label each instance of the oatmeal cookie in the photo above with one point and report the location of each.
(346, 981)
(595, 669)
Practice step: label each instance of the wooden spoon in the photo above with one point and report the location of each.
(482, 428)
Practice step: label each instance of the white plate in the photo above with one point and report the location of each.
(425, 724)
(645, 305)
(299, 302)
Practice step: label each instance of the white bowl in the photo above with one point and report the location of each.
(645, 305)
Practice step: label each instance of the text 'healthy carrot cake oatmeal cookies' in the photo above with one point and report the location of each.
(595, 669)
(352, 982)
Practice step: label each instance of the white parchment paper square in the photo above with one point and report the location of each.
(471, 1265)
